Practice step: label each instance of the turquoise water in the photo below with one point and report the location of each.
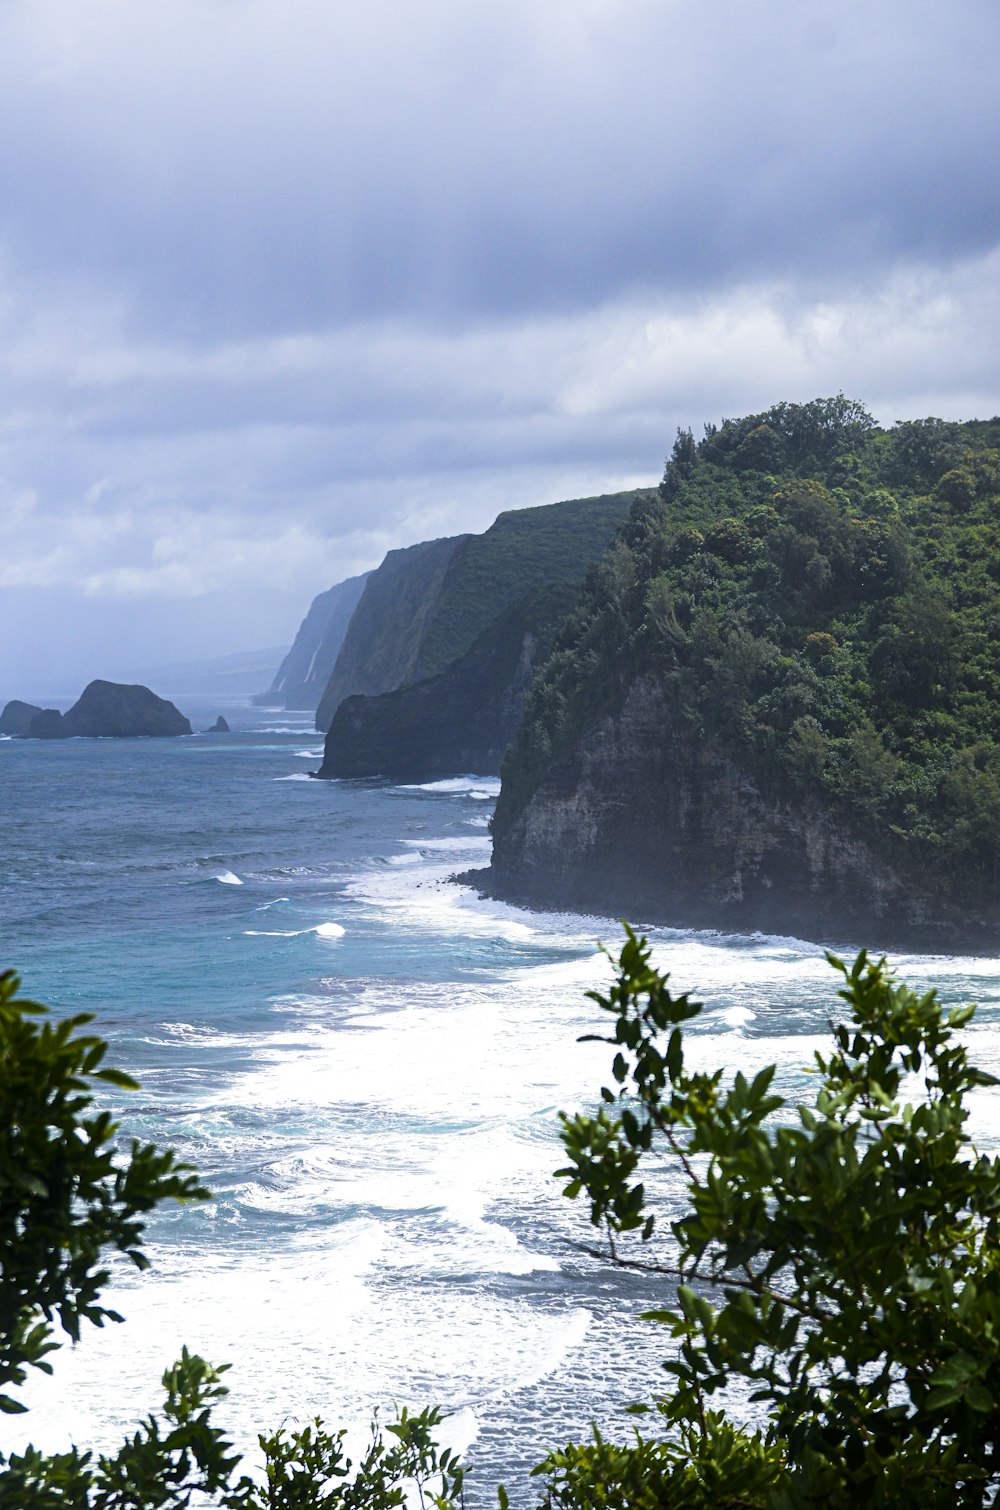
(366, 1062)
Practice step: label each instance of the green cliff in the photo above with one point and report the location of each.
(380, 647)
(461, 720)
(776, 705)
(465, 649)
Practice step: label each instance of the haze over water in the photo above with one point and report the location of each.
(366, 1062)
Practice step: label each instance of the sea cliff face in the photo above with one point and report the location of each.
(776, 705)
(639, 821)
(461, 642)
(461, 720)
(381, 644)
(302, 677)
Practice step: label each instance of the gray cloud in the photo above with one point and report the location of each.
(283, 284)
(240, 167)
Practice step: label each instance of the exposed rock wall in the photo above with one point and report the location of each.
(380, 647)
(460, 721)
(302, 676)
(637, 822)
(17, 717)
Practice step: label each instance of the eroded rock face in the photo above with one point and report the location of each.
(16, 717)
(112, 710)
(638, 822)
(461, 720)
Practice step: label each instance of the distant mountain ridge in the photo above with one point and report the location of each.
(240, 673)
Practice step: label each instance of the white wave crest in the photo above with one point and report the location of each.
(322, 930)
(473, 786)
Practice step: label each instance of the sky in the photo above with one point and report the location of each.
(285, 284)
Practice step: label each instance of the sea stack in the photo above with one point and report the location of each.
(111, 710)
(17, 717)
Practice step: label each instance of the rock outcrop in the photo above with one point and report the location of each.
(17, 717)
(303, 674)
(111, 710)
(219, 727)
(639, 821)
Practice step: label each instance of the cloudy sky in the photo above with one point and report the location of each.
(286, 283)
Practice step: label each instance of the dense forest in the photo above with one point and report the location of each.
(819, 595)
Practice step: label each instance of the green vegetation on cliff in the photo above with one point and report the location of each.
(436, 633)
(380, 646)
(463, 719)
(819, 599)
(522, 549)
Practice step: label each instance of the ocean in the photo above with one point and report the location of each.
(366, 1062)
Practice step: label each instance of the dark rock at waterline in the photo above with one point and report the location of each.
(219, 727)
(640, 819)
(460, 720)
(17, 717)
(47, 725)
(111, 710)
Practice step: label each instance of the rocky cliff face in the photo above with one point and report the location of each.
(380, 647)
(462, 720)
(111, 710)
(17, 717)
(303, 675)
(460, 631)
(636, 821)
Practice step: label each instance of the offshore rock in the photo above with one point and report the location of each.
(219, 727)
(17, 717)
(637, 821)
(112, 710)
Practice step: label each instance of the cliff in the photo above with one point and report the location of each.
(522, 549)
(111, 710)
(425, 607)
(487, 622)
(460, 720)
(380, 646)
(302, 677)
(17, 717)
(643, 822)
(777, 705)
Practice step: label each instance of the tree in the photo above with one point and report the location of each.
(841, 1256)
(67, 1196)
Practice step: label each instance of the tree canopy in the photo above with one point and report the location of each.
(819, 599)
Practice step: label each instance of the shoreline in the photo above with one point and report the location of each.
(884, 936)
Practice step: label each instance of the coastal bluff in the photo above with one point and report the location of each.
(776, 706)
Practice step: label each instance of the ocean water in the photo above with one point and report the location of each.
(366, 1062)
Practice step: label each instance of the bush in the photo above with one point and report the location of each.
(839, 1255)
